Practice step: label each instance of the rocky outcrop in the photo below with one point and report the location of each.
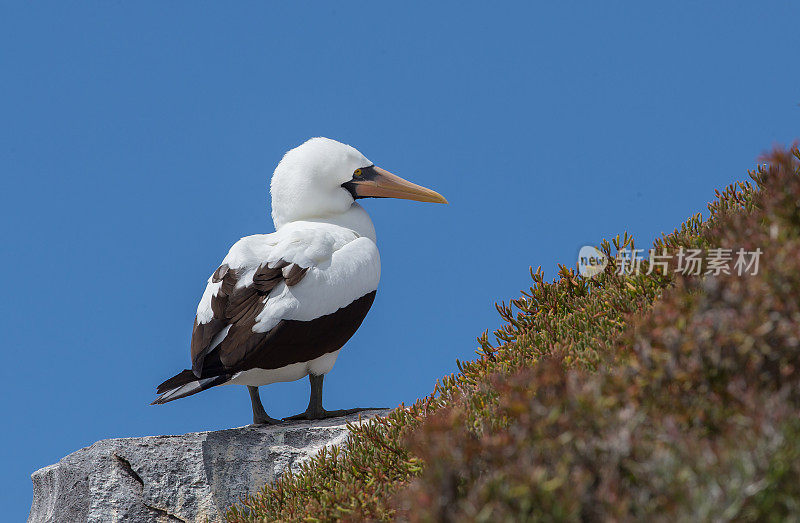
(193, 477)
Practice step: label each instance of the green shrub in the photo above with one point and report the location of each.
(692, 415)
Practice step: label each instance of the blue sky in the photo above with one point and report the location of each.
(138, 140)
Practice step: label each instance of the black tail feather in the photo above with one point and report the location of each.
(179, 379)
(186, 384)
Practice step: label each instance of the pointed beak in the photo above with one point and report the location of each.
(375, 182)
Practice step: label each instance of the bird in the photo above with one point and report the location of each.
(282, 305)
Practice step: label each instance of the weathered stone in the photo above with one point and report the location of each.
(193, 477)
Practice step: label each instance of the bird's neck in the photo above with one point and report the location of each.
(355, 218)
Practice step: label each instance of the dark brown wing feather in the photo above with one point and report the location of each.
(237, 307)
(292, 341)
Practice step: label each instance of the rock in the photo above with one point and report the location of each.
(193, 477)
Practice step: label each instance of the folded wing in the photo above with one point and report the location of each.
(260, 302)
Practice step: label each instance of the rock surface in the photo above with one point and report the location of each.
(193, 477)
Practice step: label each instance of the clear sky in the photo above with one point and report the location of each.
(137, 141)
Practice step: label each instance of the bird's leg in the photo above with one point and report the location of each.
(315, 410)
(260, 416)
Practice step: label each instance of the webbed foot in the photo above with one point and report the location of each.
(312, 414)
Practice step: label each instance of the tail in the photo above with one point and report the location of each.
(185, 384)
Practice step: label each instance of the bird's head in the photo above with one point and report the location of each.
(322, 177)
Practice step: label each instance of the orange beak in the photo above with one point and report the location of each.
(375, 182)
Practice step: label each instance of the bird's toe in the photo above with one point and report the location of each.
(265, 420)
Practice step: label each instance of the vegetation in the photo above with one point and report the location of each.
(625, 396)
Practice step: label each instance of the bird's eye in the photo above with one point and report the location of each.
(357, 173)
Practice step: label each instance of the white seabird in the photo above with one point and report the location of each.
(282, 305)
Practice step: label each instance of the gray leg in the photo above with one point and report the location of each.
(315, 410)
(260, 416)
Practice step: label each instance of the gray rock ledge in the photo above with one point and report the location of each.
(193, 477)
